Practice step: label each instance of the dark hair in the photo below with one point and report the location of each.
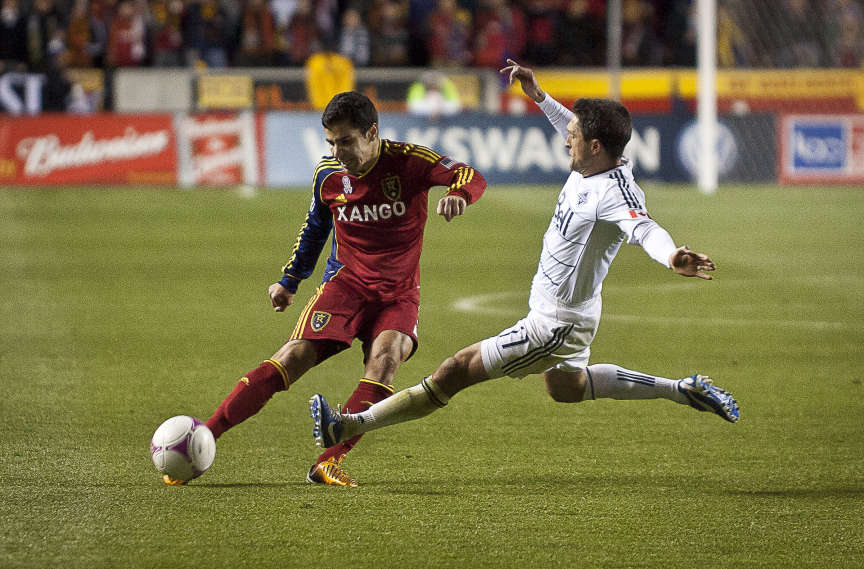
(606, 120)
(353, 107)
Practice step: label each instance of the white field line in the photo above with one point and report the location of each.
(490, 304)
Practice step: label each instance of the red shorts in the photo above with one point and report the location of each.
(339, 313)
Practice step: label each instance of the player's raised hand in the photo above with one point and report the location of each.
(451, 206)
(690, 264)
(526, 77)
(280, 298)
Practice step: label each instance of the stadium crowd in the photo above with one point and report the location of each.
(36, 34)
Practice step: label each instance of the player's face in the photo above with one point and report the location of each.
(578, 147)
(356, 150)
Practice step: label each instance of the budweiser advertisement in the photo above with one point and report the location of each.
(92, 149)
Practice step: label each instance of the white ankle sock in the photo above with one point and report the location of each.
(410, 403)
(615, 382)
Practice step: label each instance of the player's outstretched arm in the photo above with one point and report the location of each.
(526, 77)
(690, 264)
(280, 298)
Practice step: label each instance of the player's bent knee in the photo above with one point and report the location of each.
(565, 387)
(297, 357)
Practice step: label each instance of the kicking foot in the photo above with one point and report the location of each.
(703, 395)
(327, 422)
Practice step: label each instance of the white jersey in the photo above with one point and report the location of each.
(593, 216)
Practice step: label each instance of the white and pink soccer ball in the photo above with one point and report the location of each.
(183, 448)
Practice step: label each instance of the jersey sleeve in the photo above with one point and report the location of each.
(437, 170)
(313, 233)
(460, 179)
(558, 114)
(624, 205)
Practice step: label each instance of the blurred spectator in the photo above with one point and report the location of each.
(389, 34)
(680, 33)
(327, 23)
(844, 33)
(733, 49)
(167, 17)
(299, 39)
(639, 44)
(448, 29)
(205, 33)
(580, 36)
(541, 20)
(798, 45)
(86, 36)
(433, 96)
(127, 37)
(13, 33)
(499, 33)
(354, 42)
(45, 34)
(257, 37)
(282, 11)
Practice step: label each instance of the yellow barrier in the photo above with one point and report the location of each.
(663, 83)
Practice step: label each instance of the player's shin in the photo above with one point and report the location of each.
(615, 382)
(409, 404)
(249, 396)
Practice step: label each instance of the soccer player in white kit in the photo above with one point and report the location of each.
(599, 207)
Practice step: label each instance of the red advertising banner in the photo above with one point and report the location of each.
(217, 149)
(88, 149)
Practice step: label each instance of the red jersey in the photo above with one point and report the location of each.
(377, 218)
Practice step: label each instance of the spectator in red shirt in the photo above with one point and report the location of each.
(541, 17)
(499, 33)
(127, 38)
(256, 35)
(448, 30)
(167, 35)
(298, 39)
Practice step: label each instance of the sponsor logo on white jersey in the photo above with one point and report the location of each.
(367, 213)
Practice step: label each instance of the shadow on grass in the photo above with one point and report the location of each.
(247, 485)
(799, 492)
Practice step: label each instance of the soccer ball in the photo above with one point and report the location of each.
(183, 448)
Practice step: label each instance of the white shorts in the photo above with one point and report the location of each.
(538, 343)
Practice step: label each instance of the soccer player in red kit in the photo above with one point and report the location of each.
(372, 194)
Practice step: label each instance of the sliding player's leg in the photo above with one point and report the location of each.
(454, 374)
(615, 382)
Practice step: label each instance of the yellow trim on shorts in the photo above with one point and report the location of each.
(301, 322)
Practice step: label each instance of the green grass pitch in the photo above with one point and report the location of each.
(120, 308)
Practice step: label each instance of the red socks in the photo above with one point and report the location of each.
(368, 393)
(249, 396)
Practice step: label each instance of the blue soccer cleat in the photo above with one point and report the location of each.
(705, 396)
(327, 422)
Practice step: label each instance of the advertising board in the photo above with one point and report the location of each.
(526, 150)
(100, 149)
(821, 149)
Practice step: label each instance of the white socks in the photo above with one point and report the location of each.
(615, 382)
(411, 403)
